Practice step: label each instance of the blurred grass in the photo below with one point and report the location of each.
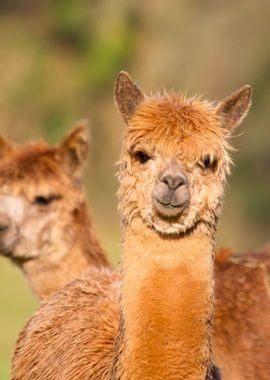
(59, 59)
(17, 304)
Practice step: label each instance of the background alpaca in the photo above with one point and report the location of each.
(86, 347)
(44, 223)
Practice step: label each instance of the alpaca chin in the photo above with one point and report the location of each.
(172, 227)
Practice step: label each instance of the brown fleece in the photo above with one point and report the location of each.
(242, 317)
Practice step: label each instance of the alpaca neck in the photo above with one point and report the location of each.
(50, 272)
(167, 306)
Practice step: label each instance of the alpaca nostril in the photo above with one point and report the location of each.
(173, 182)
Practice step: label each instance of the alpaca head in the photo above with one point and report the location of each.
(175, 156)
(40, 195)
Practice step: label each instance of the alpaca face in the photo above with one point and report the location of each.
(175, 156)
(28, 228)
(172, 178)
(39, 197)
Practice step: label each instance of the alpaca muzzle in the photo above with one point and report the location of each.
(8, 235)
(171, 193)
(10, 215)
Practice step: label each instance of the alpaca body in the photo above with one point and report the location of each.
(236, 330)
(242, 317)
(88, 332)
(171, 187)
(92, 333)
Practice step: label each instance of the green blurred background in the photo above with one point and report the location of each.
(58, 63)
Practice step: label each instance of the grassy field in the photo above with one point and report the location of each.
(17, 304)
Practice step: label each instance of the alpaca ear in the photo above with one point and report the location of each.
(74, 149)
(5, 147)
(234, 108)
(127, 95)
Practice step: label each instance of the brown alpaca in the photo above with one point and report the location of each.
(44, 223)
(242, 316)
(153, 321)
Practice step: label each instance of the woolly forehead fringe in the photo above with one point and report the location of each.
(175, 125)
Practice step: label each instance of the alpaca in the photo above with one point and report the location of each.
(242, 315)
(44, 223)
(154, 319)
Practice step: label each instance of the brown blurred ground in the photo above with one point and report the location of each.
(58, 62)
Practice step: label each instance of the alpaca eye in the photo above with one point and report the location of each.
(208, 162)
(141, 157)
(45, 201)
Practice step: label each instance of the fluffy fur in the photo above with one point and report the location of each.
(242, 317)
(155, 322)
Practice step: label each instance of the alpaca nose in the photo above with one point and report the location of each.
(173, 181)
(8, 234)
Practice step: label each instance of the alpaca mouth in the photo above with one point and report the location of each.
(7, 249)
(8, 239)
(169, 204)
(170, 209)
